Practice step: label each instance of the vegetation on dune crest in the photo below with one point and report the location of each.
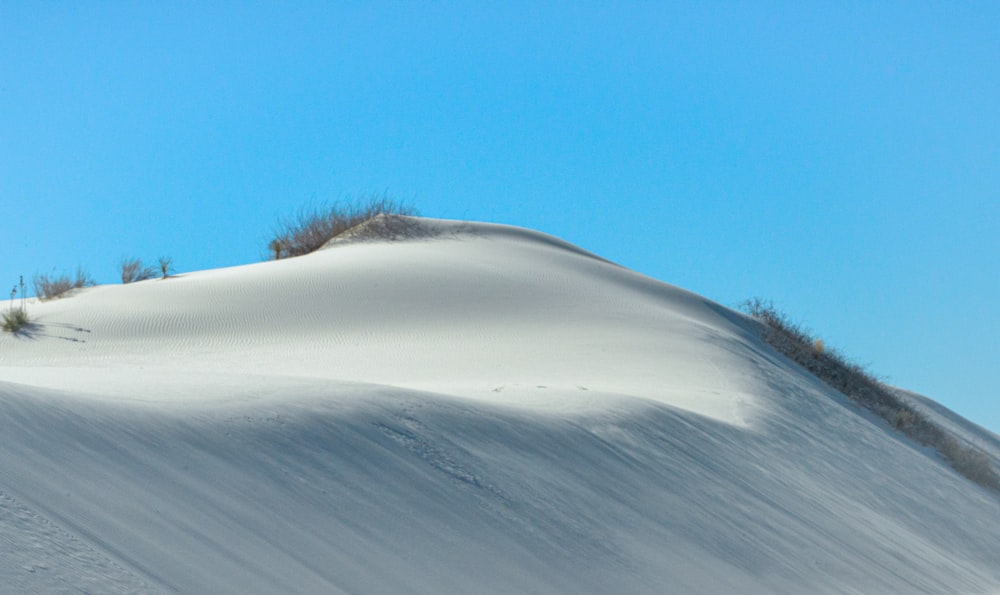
(863, 388)
(49, 287)
(374, 217)
(133, 270)
(166, 266)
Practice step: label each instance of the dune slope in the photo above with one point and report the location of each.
(480, 409)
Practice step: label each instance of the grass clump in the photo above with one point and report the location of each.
(166, 266)
(49, 287)
(15, 318)
(133, 270)
(374, 217)
(864, 389)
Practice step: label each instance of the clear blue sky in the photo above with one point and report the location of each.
(839, 158)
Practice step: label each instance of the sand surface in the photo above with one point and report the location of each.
(480, 409)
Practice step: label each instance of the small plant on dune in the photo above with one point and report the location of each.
(48, 287)
(166, 266)
(277, 248)
(374, 217)
(133, 270)
(15, 318)
(854, 381)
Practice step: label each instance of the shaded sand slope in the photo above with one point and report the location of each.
(485, 410)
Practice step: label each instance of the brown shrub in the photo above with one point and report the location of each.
(314, 227)
(854, 381)
(133, 270)
(49, 287)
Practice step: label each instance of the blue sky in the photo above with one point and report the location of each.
(841, 159)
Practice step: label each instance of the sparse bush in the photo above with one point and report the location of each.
(133, 270)
(47, 288)
(15, 319)
(277, 248)
(854, 381)
(374, 217)
(972, 463)
(166, 266)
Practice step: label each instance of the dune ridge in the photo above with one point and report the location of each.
(477, 408)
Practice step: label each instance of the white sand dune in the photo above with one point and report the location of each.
(484, 410)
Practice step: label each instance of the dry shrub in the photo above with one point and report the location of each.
(133, 270)
(14, 320)
(853, 380)
(313, 227)
(166, 266)
(49, 287)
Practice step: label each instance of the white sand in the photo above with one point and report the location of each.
(487, 410)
